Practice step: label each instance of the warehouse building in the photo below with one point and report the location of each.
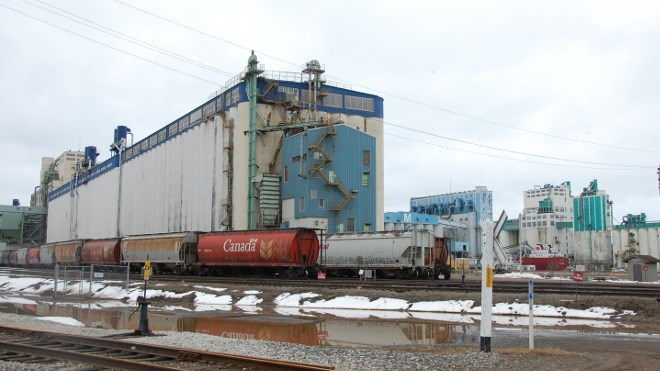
(269, 149)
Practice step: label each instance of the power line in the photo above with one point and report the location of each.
(472, 117)
(515, 152)
(388, 123)
(202, 32)
(125, 37)
(495, 122)
(508, 158)
(109, 46)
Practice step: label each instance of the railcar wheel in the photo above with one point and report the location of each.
(402, 274)
(292, 273)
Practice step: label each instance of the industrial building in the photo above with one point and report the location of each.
(21, 225)
(578, 227)
(592, 215)
(270, 149)
(315, 193)
(635, 236)
(457, 234)
(547, 217)
(466, 208)
(54, 173)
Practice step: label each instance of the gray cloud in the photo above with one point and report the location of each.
(585, 70)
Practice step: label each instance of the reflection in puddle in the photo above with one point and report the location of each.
(307, 331)
(308, 327)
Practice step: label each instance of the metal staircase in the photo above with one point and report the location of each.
(319, 169)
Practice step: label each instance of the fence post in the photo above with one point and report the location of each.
(91, 278)
(128, 273)
(64, 281)
(57, 272)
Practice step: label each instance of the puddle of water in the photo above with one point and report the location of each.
(316, 331)
(315, 328)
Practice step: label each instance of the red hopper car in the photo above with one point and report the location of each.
(290, 251)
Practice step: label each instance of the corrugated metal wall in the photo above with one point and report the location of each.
(171, 188)
(590, 213)
(58, 219)
(176, 186)
(96, 208)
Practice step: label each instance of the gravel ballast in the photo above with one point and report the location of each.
(510, 355)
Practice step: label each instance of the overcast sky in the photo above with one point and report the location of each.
(504, 94)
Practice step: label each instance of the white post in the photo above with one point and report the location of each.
(486, 284)
(531, 314)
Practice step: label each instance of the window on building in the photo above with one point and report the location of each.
(286, 174)
(301, 204)
(359, 103)
(365, 179)
(366, 157)
(350, 224)
(333, 100)
(321, 204)
(367, 227)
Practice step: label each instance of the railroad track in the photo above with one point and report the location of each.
(499, 285)
(36, 347)
(455, 284)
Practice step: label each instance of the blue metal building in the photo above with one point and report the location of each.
(329, 173)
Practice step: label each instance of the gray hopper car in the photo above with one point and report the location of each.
(398, 254)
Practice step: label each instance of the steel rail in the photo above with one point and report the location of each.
(499, 285)
(43, 343)
(81, 357)
(471, 284)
